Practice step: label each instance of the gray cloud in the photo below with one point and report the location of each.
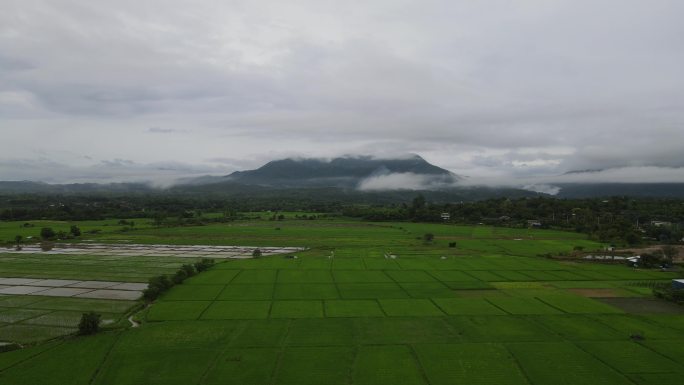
(107, 171)
(489, 89)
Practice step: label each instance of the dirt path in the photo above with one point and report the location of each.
(134, 323)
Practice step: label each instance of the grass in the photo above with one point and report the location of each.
(520, 306)
(315, 366)
(247, 366)
(237, 310)
(475, 364)
(387, 365)
(467, 306)
(410, 308)
(177, 310)
(563, 363)
(485, 312)
(631, 357)
(297, 309)
(353, 308)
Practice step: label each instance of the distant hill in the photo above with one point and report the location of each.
(346, 172)
(30, 187)
(593, 190)
(362, 179)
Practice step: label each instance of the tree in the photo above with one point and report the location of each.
(189, 270)
(650, 260)
(428, 237)
(256, 253)
(90, 323)
(180, 276)
(204, 264)
(75, 231)
(47, 233)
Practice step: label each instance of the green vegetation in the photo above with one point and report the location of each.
(367, 303)
(90, 323)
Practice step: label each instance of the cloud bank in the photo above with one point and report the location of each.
(490, 89)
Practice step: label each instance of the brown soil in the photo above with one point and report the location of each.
(652, 250)
(644, 305)
(598, 293)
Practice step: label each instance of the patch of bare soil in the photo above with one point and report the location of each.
(598, 293)
(653, 250)
(644, 305)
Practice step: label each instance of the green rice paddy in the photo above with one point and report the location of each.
(486, 312)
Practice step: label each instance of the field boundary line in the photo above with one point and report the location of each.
(550, 305)
(337, 288)
(658, 353)
(414, 354)
(354, 360)
(281, 353)
(498, 307)
(408, 295)
(212, 364)
(611, 367)
(517, 363)
(98, 370)
(31, 357)
(382, 309)
(437, 306)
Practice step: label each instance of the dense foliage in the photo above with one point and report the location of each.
(617, 219)
(90, 323)
(631, 220)
(160, 284)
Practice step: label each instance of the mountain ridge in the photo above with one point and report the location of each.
(345, 171)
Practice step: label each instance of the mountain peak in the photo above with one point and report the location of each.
(345, 171)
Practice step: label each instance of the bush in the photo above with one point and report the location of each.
(189, 270)
(204, 264)
(151, 293)
(180, 276)
(75, 231)
(47, 233)
(162, 282)
(452, 244)
(256, 253)
(90, 323)
(428, 237)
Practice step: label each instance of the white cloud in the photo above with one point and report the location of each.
(484, 88)
(405, 181)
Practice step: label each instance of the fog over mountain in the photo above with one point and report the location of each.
(498, 92)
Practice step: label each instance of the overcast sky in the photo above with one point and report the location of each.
(496, 90)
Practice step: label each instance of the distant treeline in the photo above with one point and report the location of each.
(98, 207)
(616, 219)
(619, 219)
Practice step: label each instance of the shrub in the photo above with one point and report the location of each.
(90, 323)
(161, 281)
(452, 244)
(189, 270)
(204, 264)
(180, 276)
(75, 231)
(256, 253)
(47, 233)
(428, 237)
(151, 293)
